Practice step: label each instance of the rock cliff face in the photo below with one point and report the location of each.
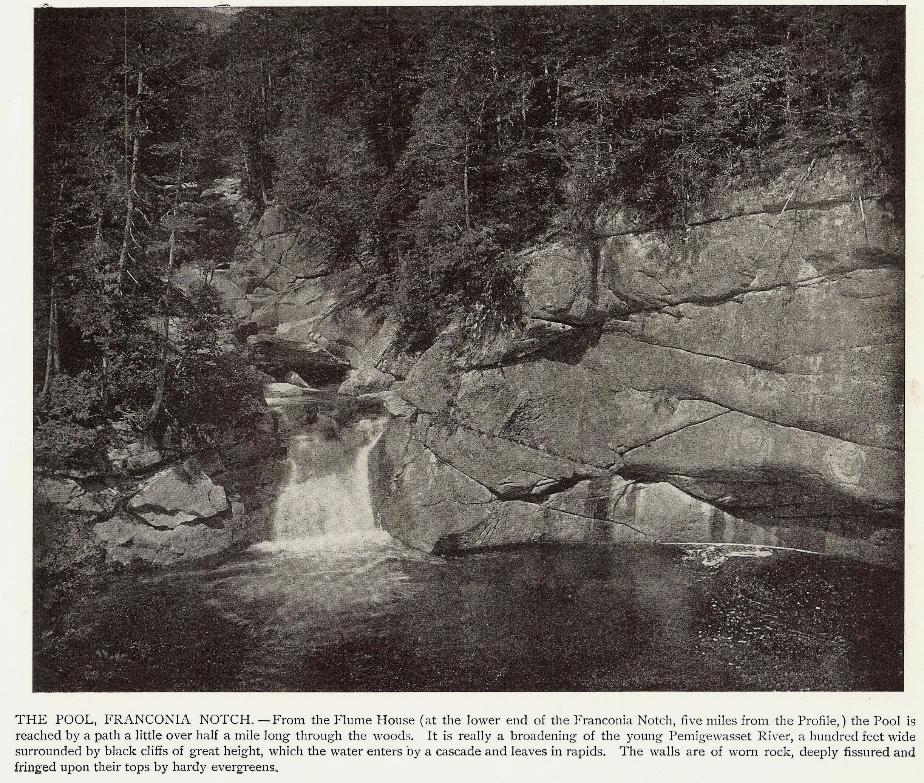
(736, 379)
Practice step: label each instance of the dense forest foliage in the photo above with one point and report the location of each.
(426, 146)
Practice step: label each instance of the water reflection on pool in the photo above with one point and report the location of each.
(370, 614)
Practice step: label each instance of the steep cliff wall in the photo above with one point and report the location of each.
(735, 379)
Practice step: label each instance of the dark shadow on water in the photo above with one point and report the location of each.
(544, 618)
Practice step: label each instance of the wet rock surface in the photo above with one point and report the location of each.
(367, 380)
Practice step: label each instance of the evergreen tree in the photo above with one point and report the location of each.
(422, 147)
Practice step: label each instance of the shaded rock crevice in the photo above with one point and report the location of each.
(771, 210)
(737, 295)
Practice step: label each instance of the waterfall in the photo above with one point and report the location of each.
(325, 501)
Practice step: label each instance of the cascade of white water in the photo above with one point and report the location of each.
(326, 498)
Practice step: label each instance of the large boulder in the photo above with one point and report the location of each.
(391, 402)
(134, 456)
(366, 380)
(279, 355)
(178, 495)
(127, 539)
(296, 380)
(279, 390)
(177, 514)
(329, 312)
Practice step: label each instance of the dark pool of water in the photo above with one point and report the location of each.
(377, 616)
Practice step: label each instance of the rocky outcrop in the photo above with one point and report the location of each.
(301, 312)
(366, 380)
(738, 379)
(734, 379)
(560, 284)
(274, 391)
(70, 495)
(177, 495)
(126, 539)
(177, 514)
(279, 355)
(191, 508)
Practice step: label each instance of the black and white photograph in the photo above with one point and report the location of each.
(468, 349)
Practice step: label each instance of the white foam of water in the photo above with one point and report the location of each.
(323, 543)
(328, 512)
(715, 555)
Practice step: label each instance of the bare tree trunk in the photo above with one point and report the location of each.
(263, 91)
(102, 343)
(56, 354)
(264, 124)
(465, 190)
(598, 136)
(557, 94)
(125, 92)
(240, 139)
(104, 381)
(154, 412)
(132, 188)
(523, 99)
(788, 83)
(156, 406)
(52, 356)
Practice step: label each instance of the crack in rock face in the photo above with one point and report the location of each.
(126, 539)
